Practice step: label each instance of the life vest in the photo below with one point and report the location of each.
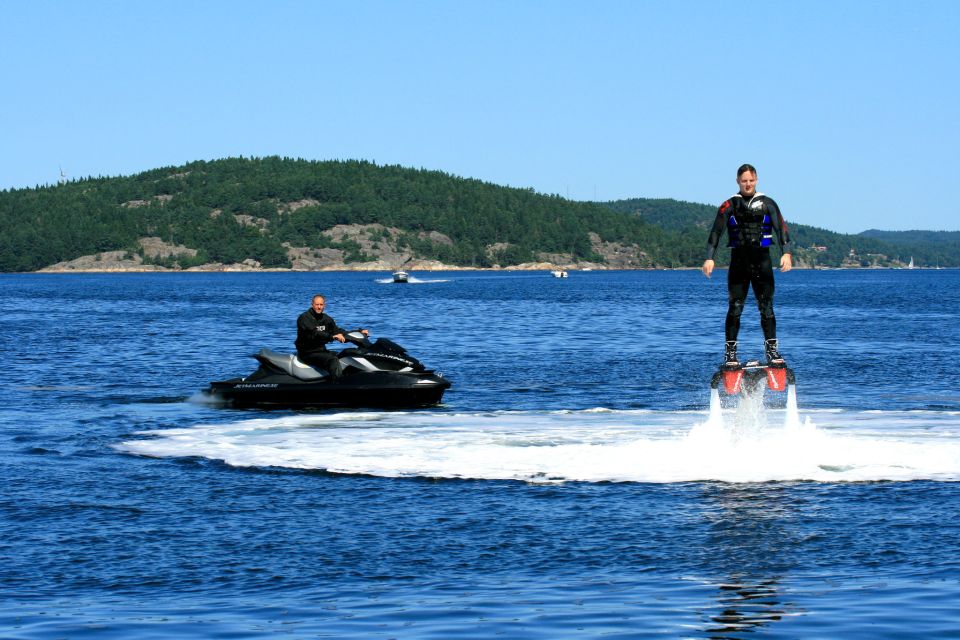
(749, 224)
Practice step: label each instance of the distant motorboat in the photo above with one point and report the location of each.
(401, 277)
(558, 274)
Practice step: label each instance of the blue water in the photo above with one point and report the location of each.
(574, 484)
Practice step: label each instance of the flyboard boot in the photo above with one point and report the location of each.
(730, 361)
(774, 359)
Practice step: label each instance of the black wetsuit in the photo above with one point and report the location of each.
(313, 333)
(752, 225)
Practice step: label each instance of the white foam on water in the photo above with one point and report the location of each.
(201, 397)
(749, 443)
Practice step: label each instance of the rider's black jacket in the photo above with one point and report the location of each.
(749, 223)
(315, 331)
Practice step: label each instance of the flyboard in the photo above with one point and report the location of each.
(750, 375)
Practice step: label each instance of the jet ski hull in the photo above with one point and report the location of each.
(361, 389)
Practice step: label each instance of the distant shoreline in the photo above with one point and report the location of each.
(426, 271)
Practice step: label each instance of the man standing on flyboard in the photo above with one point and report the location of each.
(751, 220)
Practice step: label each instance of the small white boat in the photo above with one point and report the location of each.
(558, 274)
(401, 277)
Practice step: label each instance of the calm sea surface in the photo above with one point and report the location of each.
(574, 484)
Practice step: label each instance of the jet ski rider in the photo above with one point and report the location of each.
(752, 220)
(314, 330)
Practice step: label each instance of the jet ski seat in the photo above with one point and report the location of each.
(290, 364)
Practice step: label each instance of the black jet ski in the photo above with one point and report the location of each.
(376, 373)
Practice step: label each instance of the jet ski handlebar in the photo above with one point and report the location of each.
(356, 337)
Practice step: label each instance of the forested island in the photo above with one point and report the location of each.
(282, 213)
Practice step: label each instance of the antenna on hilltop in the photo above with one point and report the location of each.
(63, 176)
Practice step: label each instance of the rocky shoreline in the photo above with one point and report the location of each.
(375, 241)
(127, 262)
(130, 266)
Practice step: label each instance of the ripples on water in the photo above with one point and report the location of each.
(586, 492)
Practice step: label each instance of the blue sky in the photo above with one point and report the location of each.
(848, 109)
